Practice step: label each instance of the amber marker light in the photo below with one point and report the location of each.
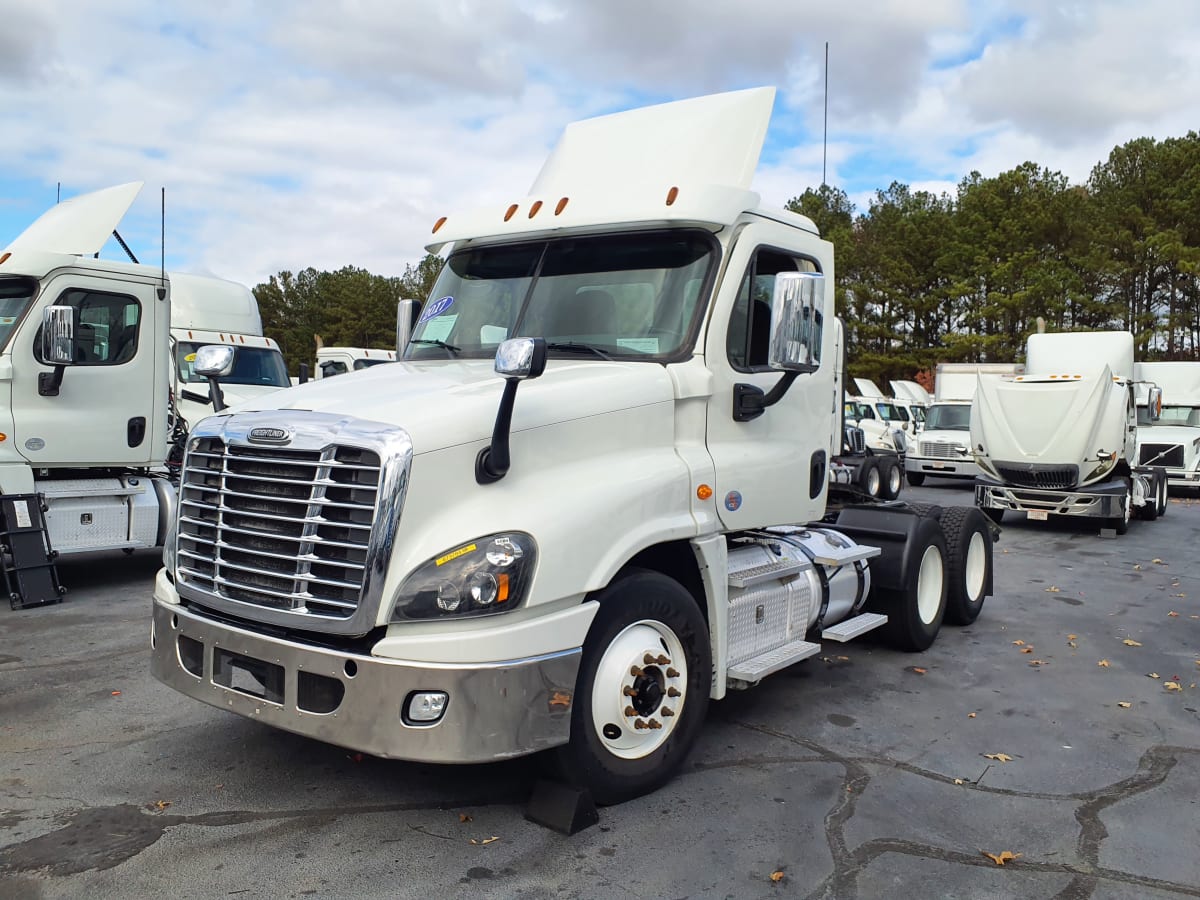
(4, 256)
(671, 195)
(3, 437)
(704, 492)
(512, 211)
(501, 587)
(533, 210)
(438, 224)
(562, 204)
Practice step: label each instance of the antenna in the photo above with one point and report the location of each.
(58, 194)
(162, 244)
(825, 135)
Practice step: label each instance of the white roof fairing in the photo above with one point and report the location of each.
(620, 168)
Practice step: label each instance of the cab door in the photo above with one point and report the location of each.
(111, 406)
(773, 468)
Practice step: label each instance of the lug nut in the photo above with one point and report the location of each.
(636, 672)
(628, 691)
(672, 673)
(639, 724)
(655, 724)
(666, 712)
(648, 659)
(630, 711)
(663, 660)
(673, 692)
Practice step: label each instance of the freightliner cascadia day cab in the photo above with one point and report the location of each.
(943, 448)
(1061, 438)
(561, 522)
(85, 376)
(1172, 440)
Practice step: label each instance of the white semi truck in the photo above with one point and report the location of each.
(1061, 438)
(86, 363)
(943, 448)
(426, 563)
(340, 360)
(1172, 440)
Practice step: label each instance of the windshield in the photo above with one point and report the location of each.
(948, 418)
(918, 413)
(16, 293)
(858, 410)
(1188, 416)
(628, 296)
(251, 365)
(889, 412)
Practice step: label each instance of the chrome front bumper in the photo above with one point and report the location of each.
(495, 710)
(1099, 501)
(943, 468)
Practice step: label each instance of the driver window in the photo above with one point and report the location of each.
(750, 323)
(106, 327)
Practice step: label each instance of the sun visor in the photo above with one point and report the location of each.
(81, 225)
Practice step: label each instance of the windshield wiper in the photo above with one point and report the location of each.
(436, 343)
(578, 348)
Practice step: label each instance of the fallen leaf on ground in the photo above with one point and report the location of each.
(917, 670)
(116, 693)
(1158, 562)
(1172, 686)
(1124, 704)
(1137, 567)
(490, 840)
(970, 715)
(1026, 649)
(463, 817)
(1053, 590)
(1103, 662)
(159, 805)
(958, 781)
(777, 877)
(1037, 662)
(1018, 643)
(1002, 757)
(1130, 642)
(1072, 645)
(1000, 858)
(1151, 674)
(1173, 614)
(1071, 637)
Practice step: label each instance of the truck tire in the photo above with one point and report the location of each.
(1162, 491)
(893, 478)
(870, 479)
(915, 610)
(646, 662)
(1120, 523)
(916, 479)
(1149, 509)
(969, 563)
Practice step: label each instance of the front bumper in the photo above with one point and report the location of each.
(943, 468)
(1105, 500)
(495, 710)
(1182, 478)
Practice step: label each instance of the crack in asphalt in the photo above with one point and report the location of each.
(1154, 765)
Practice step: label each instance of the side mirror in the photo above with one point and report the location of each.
(797, 321)
(1153, 402)
(58, 335)
(516, 359)
(214, 361)
(303, 373)
(406, 317)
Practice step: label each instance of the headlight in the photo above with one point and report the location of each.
(488, 575)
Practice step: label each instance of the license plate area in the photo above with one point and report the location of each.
(939, 465)
(1038, 515)
(246, 675)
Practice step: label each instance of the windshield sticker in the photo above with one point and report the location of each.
(439, 329)
(191, 357)
(436, 308)
(641, 345)
(455, 554)
(492, 334)
(7, 320)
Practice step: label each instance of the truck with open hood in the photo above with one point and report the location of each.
(1172, 438)
(589, 499)
(1061, 438)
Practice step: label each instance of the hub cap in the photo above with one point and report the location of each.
(929, 585)
(976, 566)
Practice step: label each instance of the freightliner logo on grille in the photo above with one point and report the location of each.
(265, 435)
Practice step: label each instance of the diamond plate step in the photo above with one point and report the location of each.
(845, 557)
(768, 572)
(759, 667)
(852, 628)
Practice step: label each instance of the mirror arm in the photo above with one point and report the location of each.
(50, 382)
(493, 461)
(215, 395)
(749, 401)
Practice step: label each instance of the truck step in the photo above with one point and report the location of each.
(851, 628)
(759, 667)
(769, 572)
(844, 557)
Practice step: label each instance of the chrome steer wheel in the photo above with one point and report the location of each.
(639, 690)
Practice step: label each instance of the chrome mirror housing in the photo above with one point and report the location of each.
(58, 335)
(214, 361)
(797, 321)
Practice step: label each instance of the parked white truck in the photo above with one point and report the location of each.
(943, 448)
(425, 563)
(340, 360)
(1061, 439)
(86, 363)
(1172, 440)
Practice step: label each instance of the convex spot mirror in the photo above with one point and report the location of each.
(213, 361)
(797, 321)
(1154, 403)
(58, 335)
(521, 358)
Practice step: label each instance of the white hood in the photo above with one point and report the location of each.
(912, 391)
(79, 226)
(1050, 422)
(453, 403)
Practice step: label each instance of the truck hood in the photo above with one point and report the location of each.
(446, 403)
(1055, 422)
(81, 225)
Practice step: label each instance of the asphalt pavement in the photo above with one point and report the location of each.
(1060, 734)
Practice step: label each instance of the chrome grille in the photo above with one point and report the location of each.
(1050, 478)
(1161, 455)
(939, 450)
(279, 528)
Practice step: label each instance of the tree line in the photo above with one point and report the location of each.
(921, 278)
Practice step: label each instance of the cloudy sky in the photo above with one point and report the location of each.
(335, 132)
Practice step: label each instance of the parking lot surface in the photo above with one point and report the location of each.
(1062, 727)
